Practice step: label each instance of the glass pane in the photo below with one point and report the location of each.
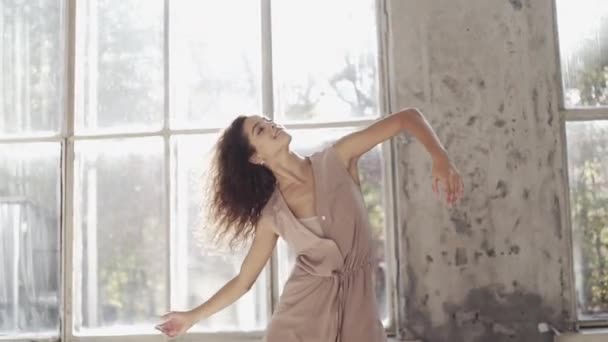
(371, 172)
(119, 229)
(325, 59)
(29, 239)
(215, 63)
(583, 33)
(370, 166)
(32, 67)
(205, 269)
(588, 173)
(119, 65)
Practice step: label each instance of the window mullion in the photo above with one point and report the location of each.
(390, 172)
(585, 114)
(170, 239)
(67, 238)
(267, 81)
(268, 110)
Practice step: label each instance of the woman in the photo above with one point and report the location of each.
(262, 189)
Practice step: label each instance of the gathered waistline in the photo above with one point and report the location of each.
(340, 275)
(351, 269)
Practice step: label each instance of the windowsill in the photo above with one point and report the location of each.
(592, 331)
(157, 337)
(30, 337)
(587, 335)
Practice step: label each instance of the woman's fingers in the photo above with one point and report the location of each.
(167, 326)
(446, 189)
(162, 327)
(449, 193)
(174, 326)
(441, 188)
(168, 331)
(460, 187)
(450, 184)
(436, 187)
(454, 186)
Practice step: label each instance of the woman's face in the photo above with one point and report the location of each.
(265, 136)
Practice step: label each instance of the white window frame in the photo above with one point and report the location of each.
(571, 115)
(67, 138)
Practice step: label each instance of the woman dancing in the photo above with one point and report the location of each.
(261, 189)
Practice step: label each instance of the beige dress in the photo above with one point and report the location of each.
(329, 295)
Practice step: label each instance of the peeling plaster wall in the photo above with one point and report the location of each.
(485, 74)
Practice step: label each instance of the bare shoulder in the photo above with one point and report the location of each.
(265, 224)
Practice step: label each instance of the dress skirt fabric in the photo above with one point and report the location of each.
(329, 295)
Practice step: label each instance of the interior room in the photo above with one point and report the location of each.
(458, 148)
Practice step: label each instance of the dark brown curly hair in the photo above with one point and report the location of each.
(237, 190)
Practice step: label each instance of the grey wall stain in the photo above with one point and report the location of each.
(535, 104)
(492, 314)
(550, 158)
(517, 222)
(471, 120)
(501, 189)
(515, 157)
(550, 113)
(517, 5)
(460, 257)
(555, 209)
(486, 314)
(462, 223)
(499, 123)
(514, 249)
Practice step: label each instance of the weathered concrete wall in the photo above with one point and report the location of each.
(485, 74)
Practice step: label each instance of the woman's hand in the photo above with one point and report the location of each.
(446, 176)
(177, 323)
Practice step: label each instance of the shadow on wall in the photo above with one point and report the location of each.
(488, 314)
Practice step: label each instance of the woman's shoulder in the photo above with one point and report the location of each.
(271, 203)
(330, 158)
(268, 214)
(325, 152)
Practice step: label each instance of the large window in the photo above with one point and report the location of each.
(108, 111)
(32, 112)
(583, 40)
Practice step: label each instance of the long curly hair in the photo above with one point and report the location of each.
(237, 190)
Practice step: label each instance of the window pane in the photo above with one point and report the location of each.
(120, 233)
(215, 61)
(119, 65)
(371, 172)
(204, 269)
(588, 173)
(370, 166)
(29, 238)
(324, 59)
(32, 63)
(583, 33)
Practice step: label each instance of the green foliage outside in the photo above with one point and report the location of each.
(586, 85)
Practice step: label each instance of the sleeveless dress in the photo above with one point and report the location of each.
(329, 295)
